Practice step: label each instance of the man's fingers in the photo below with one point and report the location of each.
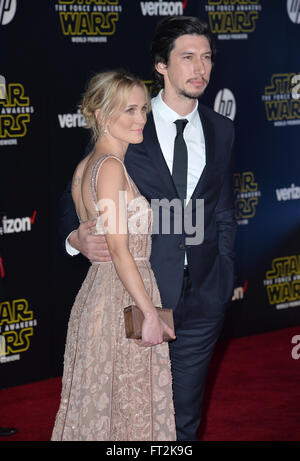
(103, 245)
(88, 224)
(97, 239)
(93, 246)
(97, 242)
(99, 258)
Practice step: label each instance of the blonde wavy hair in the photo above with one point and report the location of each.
(107, 92)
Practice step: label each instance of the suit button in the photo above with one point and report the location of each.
(182, 246)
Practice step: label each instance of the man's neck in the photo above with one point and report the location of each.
(180, 104)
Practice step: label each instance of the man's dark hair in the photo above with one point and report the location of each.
(167, 32)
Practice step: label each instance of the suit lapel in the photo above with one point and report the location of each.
(152, 145)
(209, 137)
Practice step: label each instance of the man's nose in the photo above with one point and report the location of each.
(199, 66)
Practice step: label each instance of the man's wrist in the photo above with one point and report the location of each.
(72, 244)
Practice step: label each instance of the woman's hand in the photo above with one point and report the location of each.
(153, 330)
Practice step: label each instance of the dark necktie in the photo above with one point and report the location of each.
(179, 171)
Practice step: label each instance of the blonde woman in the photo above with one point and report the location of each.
(115, 388)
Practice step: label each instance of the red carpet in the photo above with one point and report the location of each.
(253, 394)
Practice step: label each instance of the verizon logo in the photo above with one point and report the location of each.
(288, 193)
(163, 8)
(76, 120)
(17, 225)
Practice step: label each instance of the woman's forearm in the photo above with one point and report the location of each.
(132, 281)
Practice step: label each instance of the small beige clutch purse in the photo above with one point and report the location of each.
(134, 318)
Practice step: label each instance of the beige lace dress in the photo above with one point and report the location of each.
(113, 389)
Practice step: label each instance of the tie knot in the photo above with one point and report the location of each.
(180, 124)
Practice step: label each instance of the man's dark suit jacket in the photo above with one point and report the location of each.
(210, 263)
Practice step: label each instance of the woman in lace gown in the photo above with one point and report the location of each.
(115, 388)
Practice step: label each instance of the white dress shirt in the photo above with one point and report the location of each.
(164, 118)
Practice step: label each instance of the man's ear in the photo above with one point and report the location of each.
(161, 68)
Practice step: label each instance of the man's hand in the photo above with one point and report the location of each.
(93, 247)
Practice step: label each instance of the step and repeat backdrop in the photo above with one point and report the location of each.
(48, 51)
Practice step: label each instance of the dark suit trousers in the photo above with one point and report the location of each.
(196, 334)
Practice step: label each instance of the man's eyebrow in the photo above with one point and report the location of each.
(193, 52)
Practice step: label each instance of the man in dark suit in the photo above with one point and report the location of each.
(186, 155)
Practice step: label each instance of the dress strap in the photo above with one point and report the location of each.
(94, 176)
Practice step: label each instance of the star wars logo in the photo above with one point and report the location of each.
(233, 19)
(282, 99)
(15, 114)
(246, 196)
(17, 324)
(283, 282)
(88, 21)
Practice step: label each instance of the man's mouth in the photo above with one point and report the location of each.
(200, 82)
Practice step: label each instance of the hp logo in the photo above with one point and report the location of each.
(293, 9)
(7, 11)
(225, 103)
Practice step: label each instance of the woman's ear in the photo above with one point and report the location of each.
(101, 125)
(97, 111)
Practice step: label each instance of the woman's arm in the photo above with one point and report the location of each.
(111, 181)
